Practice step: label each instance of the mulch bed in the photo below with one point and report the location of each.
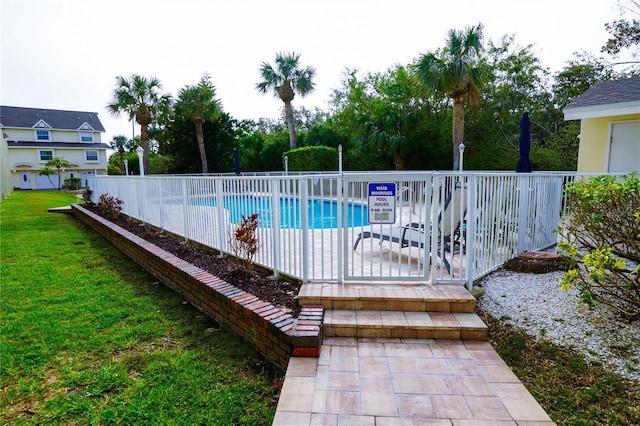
(279, 293)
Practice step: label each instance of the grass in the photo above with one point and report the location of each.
(570, 389)
(88, 337)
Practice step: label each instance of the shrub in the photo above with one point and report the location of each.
(313, 158)
(602, 237)
(109, 205)
(73, 183)
(244, 243)
(86, 195)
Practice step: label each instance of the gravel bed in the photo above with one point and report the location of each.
(536, 304)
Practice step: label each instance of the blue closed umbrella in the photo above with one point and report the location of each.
(236, 155)
(524, 164)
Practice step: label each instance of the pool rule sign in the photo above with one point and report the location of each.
(382, 202)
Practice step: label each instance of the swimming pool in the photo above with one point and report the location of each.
(320, 214)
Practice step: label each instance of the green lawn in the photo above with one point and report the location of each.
(88, 337)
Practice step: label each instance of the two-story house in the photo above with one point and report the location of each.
(34, 136)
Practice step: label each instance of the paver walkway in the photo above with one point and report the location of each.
(369, 381)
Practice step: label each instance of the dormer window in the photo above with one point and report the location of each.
(86, 137)
(43, 135)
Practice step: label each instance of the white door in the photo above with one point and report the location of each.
(25, 180)
(624, 152)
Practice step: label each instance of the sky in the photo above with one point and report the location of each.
(66, 54)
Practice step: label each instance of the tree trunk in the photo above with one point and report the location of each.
(291, 124)
(200, 138)
(458, 129)
(399, 161)
(144, 142)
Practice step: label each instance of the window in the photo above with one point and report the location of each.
(86, 137)
(45, 155)
(43, 135)
(91, 156)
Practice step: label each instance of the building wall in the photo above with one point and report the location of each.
(22, 160)
(74, 156)
(594, 142)
(28, 135)
(5, 172)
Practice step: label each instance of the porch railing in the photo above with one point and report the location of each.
(448, 227)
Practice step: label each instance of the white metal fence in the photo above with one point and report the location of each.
(448, 227)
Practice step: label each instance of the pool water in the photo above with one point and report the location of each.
(321, 213)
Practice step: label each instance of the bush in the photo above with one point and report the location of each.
(319, 158)
(86, 195)
(109, 205)
(73, 183)
(244, 243)
(602, 237)
(113, 170)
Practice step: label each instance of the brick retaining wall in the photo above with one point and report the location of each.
(276, 334)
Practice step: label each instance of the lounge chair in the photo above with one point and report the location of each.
(449, 220)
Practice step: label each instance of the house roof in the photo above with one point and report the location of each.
(607, 98)
(20, 117)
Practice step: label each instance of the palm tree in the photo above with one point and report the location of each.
(118, 143)
(287, 79)
(141, 99)
(199, 104)
(456, 73)
(58, 163)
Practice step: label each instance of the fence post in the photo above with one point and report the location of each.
(304, 227)
(220, 210)
(185, 202)
(275, 225)
(342, 253)
(523, 213)
(433, 225)
(469, 230)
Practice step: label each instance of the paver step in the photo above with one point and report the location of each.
(389, 297)
(401, 324)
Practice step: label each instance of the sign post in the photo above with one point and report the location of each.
(382, 202)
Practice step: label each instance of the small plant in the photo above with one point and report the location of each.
(602, 239)
(109, 205)
(244, 243)
(86, 195)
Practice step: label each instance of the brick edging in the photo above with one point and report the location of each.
(273, 332)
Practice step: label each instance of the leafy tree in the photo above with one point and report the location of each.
(579, 74)
(140, 98)
(199, 104)
(514, 82)
(273, 150)
(285, 80)
(454, 71)
(624, 33)
(384, 115)
(324, 134)
(219, 139)
(118, 143)
(57, 163)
